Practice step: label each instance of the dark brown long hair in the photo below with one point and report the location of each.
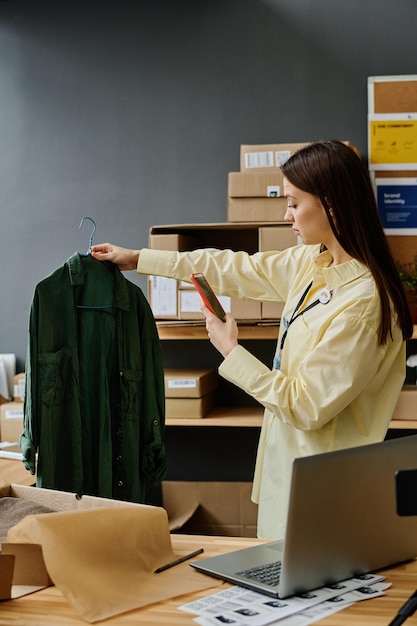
(334, 173)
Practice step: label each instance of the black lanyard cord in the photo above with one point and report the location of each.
(294, 316)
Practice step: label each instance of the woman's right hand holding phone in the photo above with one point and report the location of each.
(223, 334)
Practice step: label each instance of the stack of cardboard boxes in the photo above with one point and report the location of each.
(256, 208)
(178, 300)
(255, 213)
(189, 393)
(256, 194)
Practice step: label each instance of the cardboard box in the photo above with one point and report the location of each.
(11, 421)
(189, 306)
(232, 235)
(167, 299)
(19, 387)
(268, 156)
(211, 508)
(199, 508)
(193, 408)
(189, 383)
(246, 310)
(163, 297)
(189, 393)
(22, 569)
(272, 310)
(276, 237)
(406, 408)
(255, 184)
(256, 209)
(172, 241)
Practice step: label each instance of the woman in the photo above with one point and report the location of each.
(340, 360)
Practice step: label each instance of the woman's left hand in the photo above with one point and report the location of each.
(222, 334)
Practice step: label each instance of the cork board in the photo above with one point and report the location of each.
(394, 95)
(403, 247)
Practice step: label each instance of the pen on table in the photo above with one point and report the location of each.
(180, 559)
(405, 611)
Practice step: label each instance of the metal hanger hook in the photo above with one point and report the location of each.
(92, 233)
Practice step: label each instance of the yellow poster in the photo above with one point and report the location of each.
(393, 142)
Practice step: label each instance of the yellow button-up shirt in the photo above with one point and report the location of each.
(336, 386)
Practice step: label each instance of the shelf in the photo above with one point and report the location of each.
(252, 417)
(186, 330)
(403, 425)
(234, 416)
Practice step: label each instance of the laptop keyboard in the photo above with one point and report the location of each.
(268, 574)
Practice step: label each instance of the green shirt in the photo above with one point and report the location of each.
(94, 404)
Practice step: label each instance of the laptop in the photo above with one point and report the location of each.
(342, 522)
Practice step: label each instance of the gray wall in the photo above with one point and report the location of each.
(133, 112)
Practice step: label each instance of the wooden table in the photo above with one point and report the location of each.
(48, 607)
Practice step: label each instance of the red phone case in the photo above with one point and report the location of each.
(207, 294)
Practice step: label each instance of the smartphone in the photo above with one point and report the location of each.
(207, 294)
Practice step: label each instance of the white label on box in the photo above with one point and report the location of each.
(259, 159)
(273, 191)
(164, 296)
(13, 414)
(281, 156)
(191, 302)
(182, 383)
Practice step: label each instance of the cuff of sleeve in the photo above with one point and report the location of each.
(158, 262)
(28, 453)
(242, 369)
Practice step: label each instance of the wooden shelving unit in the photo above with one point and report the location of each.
(252, 418)
(220, 416)
(187, 331)
(183, 331)
(403, 424)
(237, 416)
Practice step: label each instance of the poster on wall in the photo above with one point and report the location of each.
(397, 204)
(392, 141)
